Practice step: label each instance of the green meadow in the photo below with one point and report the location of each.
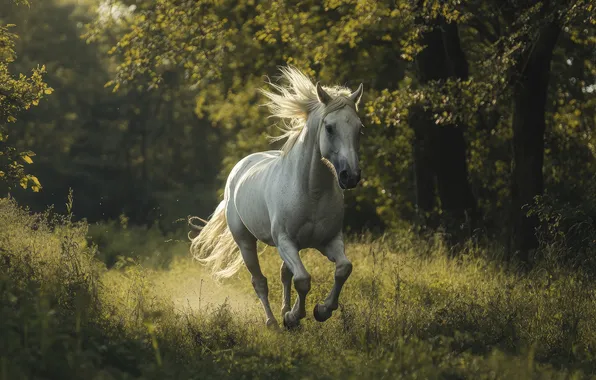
(409, 310)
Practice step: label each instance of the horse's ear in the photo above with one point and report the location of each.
(357, 95)
(322, 95)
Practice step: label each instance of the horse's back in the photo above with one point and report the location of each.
(243, 166)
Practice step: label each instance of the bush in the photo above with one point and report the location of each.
(49, 286)
(567, 232)
(116, 240)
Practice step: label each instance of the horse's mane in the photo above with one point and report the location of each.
(294, 102)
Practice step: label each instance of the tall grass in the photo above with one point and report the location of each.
(407, 311)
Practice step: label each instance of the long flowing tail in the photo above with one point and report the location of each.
(214, 246)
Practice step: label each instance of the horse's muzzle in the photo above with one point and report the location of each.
(349, 179)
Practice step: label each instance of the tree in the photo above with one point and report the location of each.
(530, 91)
(440, 151)
(530, 96)
(16, 95)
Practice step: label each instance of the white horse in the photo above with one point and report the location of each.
(292, 198)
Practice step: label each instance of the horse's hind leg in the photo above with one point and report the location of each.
(248, 248)
(259, 281)
(286, 280)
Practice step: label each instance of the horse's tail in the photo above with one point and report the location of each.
(214, 246)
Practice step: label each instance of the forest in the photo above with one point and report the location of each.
(472, 232)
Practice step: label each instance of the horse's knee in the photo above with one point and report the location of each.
(343, 269)
(302, 283)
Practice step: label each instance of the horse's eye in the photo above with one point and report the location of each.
(329, 129)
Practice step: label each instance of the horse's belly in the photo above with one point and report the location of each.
(252, 209)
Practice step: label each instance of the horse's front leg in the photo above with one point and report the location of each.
(343, 267)
(290, 255)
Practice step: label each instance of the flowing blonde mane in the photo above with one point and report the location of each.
(294, 102)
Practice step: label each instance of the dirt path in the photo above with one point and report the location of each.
(190, 287)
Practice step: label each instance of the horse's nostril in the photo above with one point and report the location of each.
(343, 175)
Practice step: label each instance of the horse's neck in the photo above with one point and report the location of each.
(305, 159)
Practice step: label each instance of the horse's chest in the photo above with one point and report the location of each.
(321, 222)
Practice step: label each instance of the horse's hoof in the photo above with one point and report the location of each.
(289, 321)
(272, 324)
(321, 314)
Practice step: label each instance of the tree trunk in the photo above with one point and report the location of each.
(423, 166)
(440, 151)
(530, 94)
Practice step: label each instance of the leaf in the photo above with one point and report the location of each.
(48, 91)
(35, 181)
(36, 187)
(27, 159)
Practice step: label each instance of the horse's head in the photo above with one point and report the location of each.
(339, 136)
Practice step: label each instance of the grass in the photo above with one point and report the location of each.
(407, 311)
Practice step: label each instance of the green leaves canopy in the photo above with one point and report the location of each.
(225, 48)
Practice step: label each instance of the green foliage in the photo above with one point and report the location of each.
(568, 231)
(17, 94)
(142, 153)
